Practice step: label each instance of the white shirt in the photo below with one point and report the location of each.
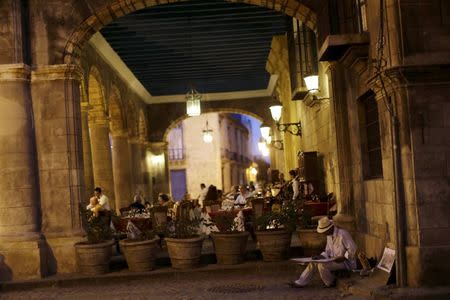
(295, 187)
(241, 199)
(340, 243)
(104, 202)
(202, 196)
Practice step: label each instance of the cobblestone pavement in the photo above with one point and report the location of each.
(253, 283)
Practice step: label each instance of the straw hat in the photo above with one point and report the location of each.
(324, 224)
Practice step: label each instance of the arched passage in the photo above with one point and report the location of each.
(99, 136)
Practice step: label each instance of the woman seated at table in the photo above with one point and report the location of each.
(164, 200)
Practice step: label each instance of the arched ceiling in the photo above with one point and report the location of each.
(211, 45)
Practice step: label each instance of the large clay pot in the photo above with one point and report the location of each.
(93, 259)
(274, 244)
(230, 247)
(312, 242)
(184, 253)
(140, 255)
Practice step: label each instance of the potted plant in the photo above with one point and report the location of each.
(274, 231)
(311, 241)
(93, 256)
(140, 249)
(230, 242)
(184, 243)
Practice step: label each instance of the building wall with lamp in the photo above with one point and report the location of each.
(223, 162)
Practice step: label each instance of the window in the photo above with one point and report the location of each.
(370, 137)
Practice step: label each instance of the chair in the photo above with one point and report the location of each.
(124, 210)
(183, 210)
(159, 217)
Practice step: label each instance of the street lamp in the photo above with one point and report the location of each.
(312, 85)
(292, 128)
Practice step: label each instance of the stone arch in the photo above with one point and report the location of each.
(132, 124)
(142, 127)
(116, 120)
(176, 121)
(118, 8)
(96, 97)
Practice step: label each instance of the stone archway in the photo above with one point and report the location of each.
(106, 13)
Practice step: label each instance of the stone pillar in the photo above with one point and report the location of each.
(101, 159)
(136, 167)
(145, 185)
(159, 161)
(87, 155)
(56, 104)
(20, 244)
(340, 142)
(121, 169)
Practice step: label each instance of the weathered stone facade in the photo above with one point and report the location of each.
(45, 58)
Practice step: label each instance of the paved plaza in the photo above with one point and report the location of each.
(255, 280)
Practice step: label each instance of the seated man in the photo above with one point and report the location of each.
(94, 206)
(340, 246)
(242, 197)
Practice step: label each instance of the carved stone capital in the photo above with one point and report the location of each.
(15, 72)
(57, 72)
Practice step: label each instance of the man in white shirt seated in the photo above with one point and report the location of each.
(102, 199)
(202, 195)
(340, 246)
(242, 197)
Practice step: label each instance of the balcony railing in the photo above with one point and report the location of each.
(176, 154)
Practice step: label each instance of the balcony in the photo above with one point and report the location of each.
(176, 154)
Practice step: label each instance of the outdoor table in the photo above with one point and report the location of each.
(141, 223)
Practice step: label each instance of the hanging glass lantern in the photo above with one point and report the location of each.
(207, 134)
(193, 108)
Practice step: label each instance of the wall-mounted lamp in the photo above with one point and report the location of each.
(312, 84)
(292, 128)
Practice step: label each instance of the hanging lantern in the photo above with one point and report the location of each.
(193, 108)
(207, 134)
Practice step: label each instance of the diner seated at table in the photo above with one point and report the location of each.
(233, 194)
(164, 200)
(94, 206)
(242, 197)
(137, 205)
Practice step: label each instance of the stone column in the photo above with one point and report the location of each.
(87, 155)
(136, 167)
(20, 243)
(159, 161)
(121, 169)
(145, 185)
(340, 142)
(101, 158)
(56, 104)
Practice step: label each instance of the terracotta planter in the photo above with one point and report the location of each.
(184, 253)
(230, 247)
(274, 244)
(140, 255)
(312, 242)
(93, 259)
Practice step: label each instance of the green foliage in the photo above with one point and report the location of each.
(97, 227)
(225, 222)
(286, 218)
(183, 228)
(304, 219)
